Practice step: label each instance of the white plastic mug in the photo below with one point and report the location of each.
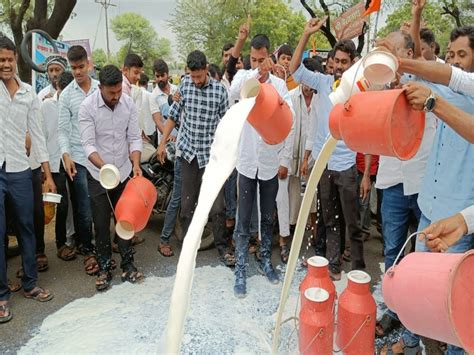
(380, 67)
(51, 197)
(109, 176)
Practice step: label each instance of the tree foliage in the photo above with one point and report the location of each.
(209, 24)
(139, 37)
(19, 16)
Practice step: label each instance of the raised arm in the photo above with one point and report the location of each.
(416, 11)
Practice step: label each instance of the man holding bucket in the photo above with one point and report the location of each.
(110, 135)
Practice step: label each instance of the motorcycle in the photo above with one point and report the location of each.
(162, 177)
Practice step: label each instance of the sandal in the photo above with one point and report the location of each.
(405, 350)
(346, 256)
(284, 253)
(137, 240)
(5, 313)
(132, 276)
(14, 286)
(116, 250)
(90, 264)
(66, 253)
(228, 259)
(103, 281)
(39, 294)
(41, 262)
(386, 325)
(165, 250)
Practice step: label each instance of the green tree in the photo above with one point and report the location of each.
(440, 25)
(209, 24)
(99, 57)
(139, 37)
(19, 16)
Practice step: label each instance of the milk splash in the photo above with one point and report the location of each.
(223, 159)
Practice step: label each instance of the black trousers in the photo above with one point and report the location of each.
(191, 178)
(38, 210)
(101, 213)
(342, 186)
(60, 180)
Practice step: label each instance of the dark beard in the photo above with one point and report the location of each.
(162, 84)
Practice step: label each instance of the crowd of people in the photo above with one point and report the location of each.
(58, 140)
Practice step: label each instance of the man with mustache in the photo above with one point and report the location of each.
(55, 66)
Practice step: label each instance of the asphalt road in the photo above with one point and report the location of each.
(68, 280)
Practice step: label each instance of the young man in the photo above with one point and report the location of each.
(50, 108)
(20, 113)
(339, 179)
(55, 66)
(132, 68)
(259, 165)
(74, 159)
(141, 96)
(285, 53)
(203, 103)
(226, 55)
(110, 135)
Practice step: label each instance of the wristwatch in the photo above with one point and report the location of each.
(430, 103)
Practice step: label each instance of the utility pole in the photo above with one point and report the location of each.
(105, 4)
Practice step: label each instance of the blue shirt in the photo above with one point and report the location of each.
(69, 136)
(448, 184)
(342, 158)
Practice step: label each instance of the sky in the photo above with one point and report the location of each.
(89, 21)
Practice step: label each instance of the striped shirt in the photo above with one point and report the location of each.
(202, 110)
(18, 115)
(69, 137)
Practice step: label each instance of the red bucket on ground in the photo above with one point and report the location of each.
(380, 123)
(440, 303)
(134, 207)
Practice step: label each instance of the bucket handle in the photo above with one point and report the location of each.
(391, 270)
(145, 200)
(367, 320)
(318, 335)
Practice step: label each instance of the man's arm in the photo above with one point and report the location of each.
(155, 112)
(235, 55)
(429, 70)
(224, 104)
(365, 184)
(458, 120)
(416, 11)
(134, 140)
(87, 132)
(64, 131)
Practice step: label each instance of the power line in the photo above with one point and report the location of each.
(106, 4)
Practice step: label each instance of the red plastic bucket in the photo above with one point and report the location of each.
(134, 207)
(379, 122)
(433, 296)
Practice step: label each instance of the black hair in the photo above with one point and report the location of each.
(226, 47)
(407, 38)
(64, 80)
(132, 60)
(160, 67)
(313, 64)
(437, 49)
(215, 71)
(273, 58)
(260, 41)
(196, 60)
(110, 75)
(76, 53)
(346, 46)
(463, 31)
(246, 62)
(285, 49)
(7, 43)
(427, 36)
(144, 79)
(331, 53)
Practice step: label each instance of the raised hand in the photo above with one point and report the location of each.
(314, 25)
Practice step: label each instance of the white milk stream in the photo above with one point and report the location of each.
(223, 159)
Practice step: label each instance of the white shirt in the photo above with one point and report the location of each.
(305, 127)
(468, 215)
(46, 91)
(50, 111)
(257, 158)
(18, 115)
(409, 172)
(159, 103)
(462, 81)
(141, 97)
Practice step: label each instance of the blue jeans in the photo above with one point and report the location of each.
(247, 194)
(19, 188)
(173, 207)
(82, 208)
(230, 195)
(396, 210)
(462, 246)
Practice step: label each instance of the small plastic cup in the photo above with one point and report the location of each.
(380, 67)
(51, 197)
(109, 176)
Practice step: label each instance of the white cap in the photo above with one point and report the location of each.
(316, 294)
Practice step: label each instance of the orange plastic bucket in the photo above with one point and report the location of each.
(379, 122)
(356, 316)
(134, 207)
(440, 299)
(318, 276)
(316, 331)
(271, 116)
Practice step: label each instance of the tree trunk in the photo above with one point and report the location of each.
(53, 25)
(326, 30)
